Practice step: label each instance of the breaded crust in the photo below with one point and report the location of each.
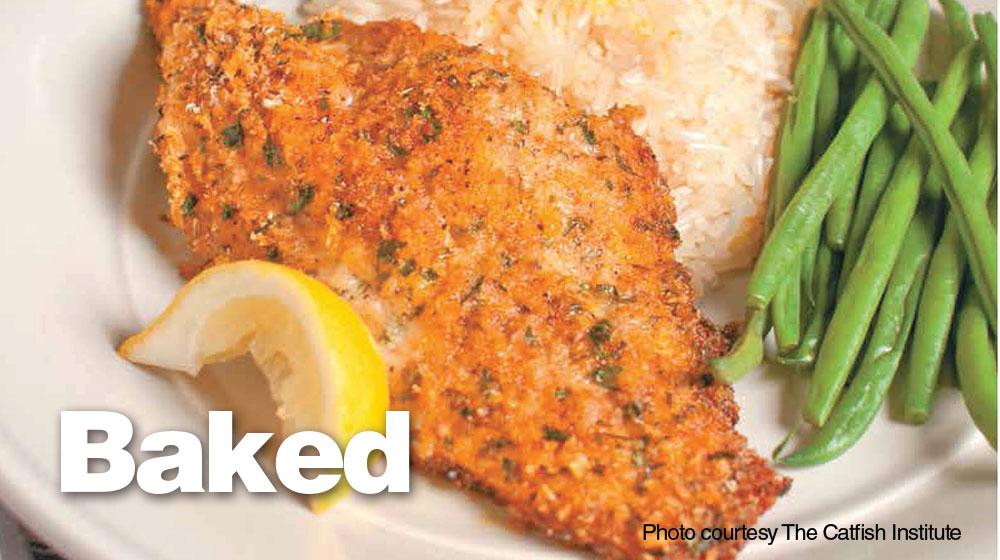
(513, 256)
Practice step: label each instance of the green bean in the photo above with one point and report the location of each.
(787, 304)
(898, 120)
(747, 352)
(863, 399)
(993, 198)
(782, 165)
(867, 280)
(809, 206)
(794, 155)
(809, 271)
(978, 235)
(959, 23)
(975, 360)
(944, 280)
(838, 221)
(964, 131)
(786, 312)
(795, 143)
(882, 13)
(986, 26)
(878, 170)
(809, 98)
(845, 54)
(826, 109)
(823, 285)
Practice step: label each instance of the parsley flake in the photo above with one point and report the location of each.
(552, 434)
(305, 195)
(588, 134)
(344, 210)
(272, 153)
(605, 375)
(600, 333)
(387, 250)
(190, 201)
(232, 135)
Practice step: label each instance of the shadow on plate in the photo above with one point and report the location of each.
(133, 175)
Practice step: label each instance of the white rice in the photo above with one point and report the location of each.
(710, 74)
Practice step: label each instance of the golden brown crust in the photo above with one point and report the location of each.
(513, 256)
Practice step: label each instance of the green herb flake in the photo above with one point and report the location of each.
(435, 130)
(232, 135)
(605, 375)
(530, 338)
(417, 310)
(466, 412)
(190, 201)
(201, 33)
(552, 434)
(561, 393)
(303, 197)
(273, 254)
(611, 291)
(497, 444)
(575, 223)
(599, 333)
(427, 113)
(520, 126)
(387, 250)
(408, 267)
(397, 150)
(509, 467)
(344, 210)
(639, 458)
(623, 164)
(632, 409)
(487, 385)
(588, 134)
(313, 30)
(333, 32)
(473, 290)
(720, 455)
(607, 289)
(429, 274)
(227, 211)
(272, 153)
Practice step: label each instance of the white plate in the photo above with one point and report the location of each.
(85, 263)
(13, 545)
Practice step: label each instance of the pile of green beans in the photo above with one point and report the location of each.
(880, 204)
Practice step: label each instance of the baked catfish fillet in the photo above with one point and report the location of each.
(513, 256)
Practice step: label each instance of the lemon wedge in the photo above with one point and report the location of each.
(319, 360)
